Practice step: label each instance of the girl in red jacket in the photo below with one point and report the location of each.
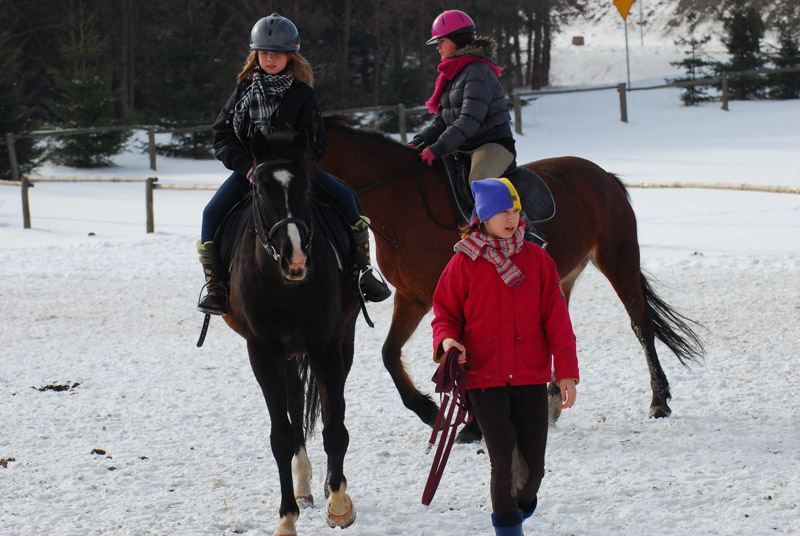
(499, 301)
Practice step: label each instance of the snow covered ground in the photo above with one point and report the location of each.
(156, 436)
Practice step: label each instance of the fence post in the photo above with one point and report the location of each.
(151, 135)
(725, 91)
(148, 195)
(623, 103)
(401, 122)
(517, 112)
(12, 163)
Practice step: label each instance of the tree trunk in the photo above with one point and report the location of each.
(376, 67)
(344, 48)
(537, 49)
(126, 55)
(544, 76)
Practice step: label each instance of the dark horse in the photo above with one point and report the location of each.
(297, 311)
(594, 222)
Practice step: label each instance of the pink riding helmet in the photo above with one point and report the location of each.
(449, 23)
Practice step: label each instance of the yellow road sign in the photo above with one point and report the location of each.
(624, 6)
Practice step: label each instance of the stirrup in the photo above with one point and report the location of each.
(365, 273)
(212, 310)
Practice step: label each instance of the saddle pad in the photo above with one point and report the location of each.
(228, 234)
(536, 198)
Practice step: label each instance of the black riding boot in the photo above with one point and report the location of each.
(215, 302)
(370, 287)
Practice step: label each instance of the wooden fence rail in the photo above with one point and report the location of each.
(400, 109)
(517, 94)
(151, 184)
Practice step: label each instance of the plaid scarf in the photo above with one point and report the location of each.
(259, 102)
(497, 251)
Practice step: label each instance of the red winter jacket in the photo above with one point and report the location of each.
(510, 332)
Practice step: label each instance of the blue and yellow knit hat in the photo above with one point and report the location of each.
(493, 196)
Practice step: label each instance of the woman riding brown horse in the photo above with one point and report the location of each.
(594, 222)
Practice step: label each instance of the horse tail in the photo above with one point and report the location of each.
(312, 403)
(672, 328)
(621, 185)
(669, 326)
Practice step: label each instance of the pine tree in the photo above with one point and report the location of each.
(695, 64)
(84, 78)
(786, 85)
(744, 31)
(186, 72)
(15, 109)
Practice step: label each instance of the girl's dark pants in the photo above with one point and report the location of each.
(509, 417)
(236, 187)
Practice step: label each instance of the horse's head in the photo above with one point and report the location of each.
(282, 201)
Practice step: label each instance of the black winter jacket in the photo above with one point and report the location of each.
(298, 110)
(473, 108)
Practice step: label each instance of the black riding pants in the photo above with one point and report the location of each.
(513, 421)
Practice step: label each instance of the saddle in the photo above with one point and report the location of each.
(327, 219)
(537, 201)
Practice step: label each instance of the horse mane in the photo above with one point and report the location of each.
(285, 144)
(349, 123)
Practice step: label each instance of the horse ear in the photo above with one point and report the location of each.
(259, 144)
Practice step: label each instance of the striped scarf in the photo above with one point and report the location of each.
(497, 251)
(258, 103)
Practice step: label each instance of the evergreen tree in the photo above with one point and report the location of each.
(186, 71)
(84, 78)
(695, 64)
(15, 109)
(786, 85)
(744, 31)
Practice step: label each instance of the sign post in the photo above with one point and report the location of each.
(624, 6)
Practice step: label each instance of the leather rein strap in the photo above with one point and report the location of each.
(450, 377)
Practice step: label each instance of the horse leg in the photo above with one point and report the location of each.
(617, 257)
(301, 466)
(330, 374)
(553, 390)
(272, 379)
(408, 313)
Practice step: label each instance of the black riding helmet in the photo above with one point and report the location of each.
(274, 33)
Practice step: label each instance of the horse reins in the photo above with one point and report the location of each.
(397, 174)
(450, 377)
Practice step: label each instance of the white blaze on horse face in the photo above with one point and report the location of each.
(283, 177)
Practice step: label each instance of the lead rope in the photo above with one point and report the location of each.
(450, 377)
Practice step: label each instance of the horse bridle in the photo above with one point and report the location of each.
(405, 171)
(265, 237)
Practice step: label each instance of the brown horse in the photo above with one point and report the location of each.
(594, 222)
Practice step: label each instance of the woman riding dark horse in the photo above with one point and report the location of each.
(273, 94)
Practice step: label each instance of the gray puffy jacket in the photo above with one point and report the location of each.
(473, 107)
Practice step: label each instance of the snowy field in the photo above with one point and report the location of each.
(155, 436)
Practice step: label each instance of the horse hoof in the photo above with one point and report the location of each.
(468, 436)
(659, 412)
(342, 521)
(304, 502)
(287, 526)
